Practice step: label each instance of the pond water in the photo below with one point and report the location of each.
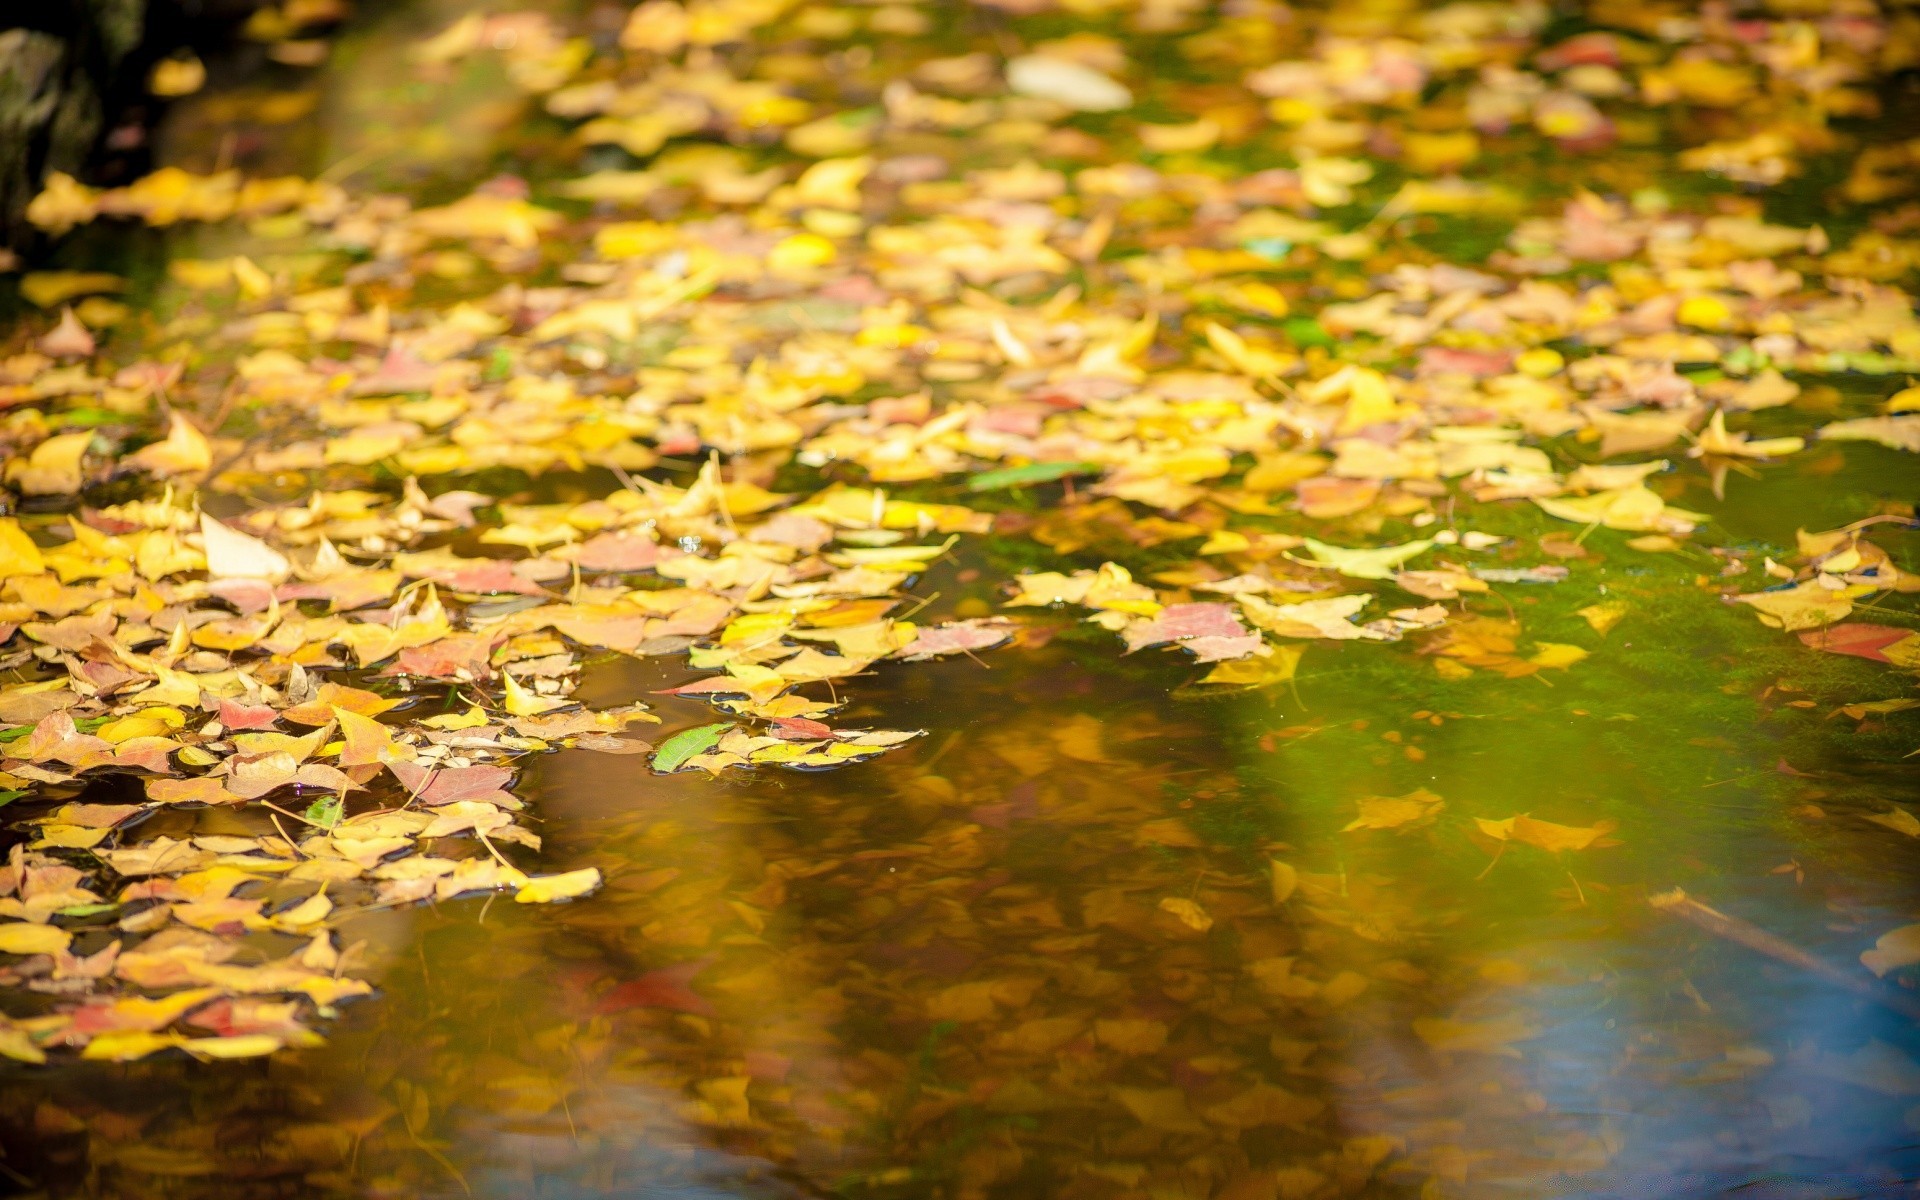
(1104, 932)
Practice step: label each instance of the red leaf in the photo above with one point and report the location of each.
(1178, 622)
(800, 729)
(236, 716)
(455, 656)
(618, 552)
(666, 988)
(448, 784)
(1858, 639)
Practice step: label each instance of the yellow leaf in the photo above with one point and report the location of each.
(474, 717)
(17, 1045)
(1545, 834)
(1808, 605)
(1603, 616)
(1391, 812)
(368, 741)
(311, 911)
(245, 1045)
(1131, 1035)
(126, 1045)
(1635, 508)
(18, 554)
(800, 252)
(53, 468)
(833, 183)
(177, 76)
(155, 1012)
(1249, 360)
(1484, 1037)
(632, 239)
(50, 289)
(22, 938)
(1160, 1108)
(544, 889)
(1365, 563)
(1557, 654)
(523, 703)
(1187, 913)
(1285, 879)
(1257, 671)
(1715, 439)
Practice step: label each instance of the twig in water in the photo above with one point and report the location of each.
(1677, 903)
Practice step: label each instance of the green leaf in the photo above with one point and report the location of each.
(9, 795)
(676, 750)
(1306, 331)
(326, 811)
(84, 725)
(91, 418)
(85, 910)
(1046, 472)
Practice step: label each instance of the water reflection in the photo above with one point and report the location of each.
(1045, 952)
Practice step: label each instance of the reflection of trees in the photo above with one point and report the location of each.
(1034, 955)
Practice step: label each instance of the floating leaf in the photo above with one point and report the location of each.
(676, 750)
(545, 889)
(1376, 563)
(1040, 472)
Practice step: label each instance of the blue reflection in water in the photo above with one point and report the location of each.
(626, 1142)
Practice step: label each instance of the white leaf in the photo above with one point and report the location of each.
(232, 554)
(1081, 88)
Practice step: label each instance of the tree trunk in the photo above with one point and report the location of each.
(60, 72)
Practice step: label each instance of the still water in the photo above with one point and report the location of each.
(955, 972)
